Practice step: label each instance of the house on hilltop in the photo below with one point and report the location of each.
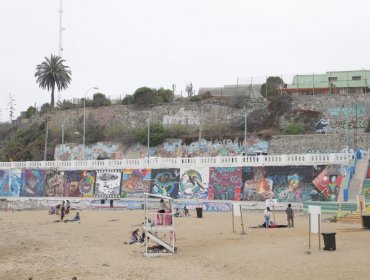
(330, 83)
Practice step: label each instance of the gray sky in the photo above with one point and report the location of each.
(120, 45)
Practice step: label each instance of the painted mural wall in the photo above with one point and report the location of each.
(285, 183)
(173, 148)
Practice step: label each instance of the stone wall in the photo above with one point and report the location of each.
(317, 143)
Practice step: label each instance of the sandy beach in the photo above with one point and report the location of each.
(32, 245)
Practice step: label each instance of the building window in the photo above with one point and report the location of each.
(356, 78)
(331, 79)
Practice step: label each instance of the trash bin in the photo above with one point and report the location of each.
(199, 212)
(329, 241)
(366, 221)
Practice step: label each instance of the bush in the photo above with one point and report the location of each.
(99, 100)
(293, 129)
(157, 134)
(31, 111)
(46, 108)
(129, 99)
(65, 105)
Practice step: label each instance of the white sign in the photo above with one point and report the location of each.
(314, 211)
(236, 209)
(271, 202)
(361, 202)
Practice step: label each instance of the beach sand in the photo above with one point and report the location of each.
(31, 245)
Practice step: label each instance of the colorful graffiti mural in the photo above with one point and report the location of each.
(135, 182)
(285, 183)
(366, 190)
(292, 183)
(165, 182)
(32, 182)
(10, 182)
(328, 181)
(194, 183)
(171, 148)
(108, 183)
(225, 183)
(79, 183)
(54, 184)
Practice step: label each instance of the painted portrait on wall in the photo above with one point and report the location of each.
(32, 182)
(79, 183)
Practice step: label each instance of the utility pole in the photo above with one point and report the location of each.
(148, 137)
(60, 28)
(200, 126)
(245, 131)
(62, 141)
(46, 138)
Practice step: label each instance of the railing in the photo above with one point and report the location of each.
(236, 161)
(349, 175)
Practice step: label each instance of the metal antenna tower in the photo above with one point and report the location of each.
(60, 28)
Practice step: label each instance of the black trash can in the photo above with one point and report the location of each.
(329, 241)
(199, 212)
(366, 221)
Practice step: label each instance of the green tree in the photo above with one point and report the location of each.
(271, 87)
(99, 99)
(53, 73)
(165, 95)
(31, 111)
(156, 136)
(145, 96)
(129, 99)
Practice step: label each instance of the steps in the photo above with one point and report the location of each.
(361, 170)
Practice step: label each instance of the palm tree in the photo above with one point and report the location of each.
(52, 72)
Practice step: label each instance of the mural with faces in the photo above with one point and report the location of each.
(79, 183)
(32, 182)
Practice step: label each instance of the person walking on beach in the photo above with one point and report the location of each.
(267, 217)
(290, 215)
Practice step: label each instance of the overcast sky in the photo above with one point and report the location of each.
(120, 45)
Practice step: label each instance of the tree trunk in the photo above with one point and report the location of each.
(52, 97)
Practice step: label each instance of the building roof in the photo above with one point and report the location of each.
(339, 79)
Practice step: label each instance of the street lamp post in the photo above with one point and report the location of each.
(84, 123)
(245, 131)
(148, 137)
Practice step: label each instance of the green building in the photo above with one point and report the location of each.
(330, 82)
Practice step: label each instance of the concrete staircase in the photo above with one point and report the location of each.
(357, 179)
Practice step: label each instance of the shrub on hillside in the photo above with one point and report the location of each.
(293, 129)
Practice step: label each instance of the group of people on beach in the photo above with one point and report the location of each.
(290, 218)
(62, 210)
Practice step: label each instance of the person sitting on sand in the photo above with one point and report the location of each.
(74, 219)
(57, 209)
(134, 237)
(52, 210)
(177, 213)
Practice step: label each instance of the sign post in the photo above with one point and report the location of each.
(314, 223)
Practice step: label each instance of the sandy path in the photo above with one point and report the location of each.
(32, 245)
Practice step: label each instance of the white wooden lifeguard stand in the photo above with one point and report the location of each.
(159, 227)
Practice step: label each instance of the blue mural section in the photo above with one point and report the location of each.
(165, 182)
(10, 182)
(32, 183)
